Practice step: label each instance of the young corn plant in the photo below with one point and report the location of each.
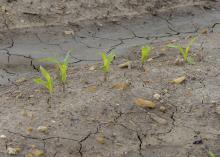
(145, 53)
(107, 60)
(187, 56)
(61, 66)
(47, 82)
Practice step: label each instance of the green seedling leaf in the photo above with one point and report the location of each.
(145, 53)
(190, 60)
(211, 154)
(185, 51)
(47, 83)
(39, 81)
(62, 66)
(107, 61)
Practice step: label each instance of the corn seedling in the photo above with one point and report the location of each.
(107, 59)
(145, 53)
(62, 67)
(47, 82)
(187, 56)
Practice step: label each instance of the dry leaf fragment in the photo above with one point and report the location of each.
(37, 152)
(144, 103)
(179, 80)
(121, 86)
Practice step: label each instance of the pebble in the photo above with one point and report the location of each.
(162, 109)
(13, 151)
(100, 139)
(3, 137)
(43, 129)
(157, 96)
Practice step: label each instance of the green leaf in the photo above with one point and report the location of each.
(39, 81)
(45, 73)
(63, 72)
(190, 60)
(111, 57)
(211, 154)
(145, 53)
(177, 47)
(106, 63)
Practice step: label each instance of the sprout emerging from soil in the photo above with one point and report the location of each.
(47, 82)
(145, 53)
(187, 56)
(61, 66)
(106, 63)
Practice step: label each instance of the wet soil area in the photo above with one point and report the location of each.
(96, 118)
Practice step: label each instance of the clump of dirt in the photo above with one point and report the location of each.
(93, 117)
(29, 13)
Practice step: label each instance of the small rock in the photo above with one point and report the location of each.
(23, 79)
(100, 139)
(37, 152)
(218, 110)
(3, 137)
(69, 32)
(157, 96)
(13, 151)
(92, 68)
(179, 80)
(31, 96)
(158, 119)
(163, 109)
(29, 130)
(150, 59)
(144, 103)
(43, 129)
(125, 65)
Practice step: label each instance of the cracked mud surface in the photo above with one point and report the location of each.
(79, 117)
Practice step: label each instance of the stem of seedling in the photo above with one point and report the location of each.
(105, 76)
(64, 87)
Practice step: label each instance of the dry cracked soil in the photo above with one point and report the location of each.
(96, 118)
